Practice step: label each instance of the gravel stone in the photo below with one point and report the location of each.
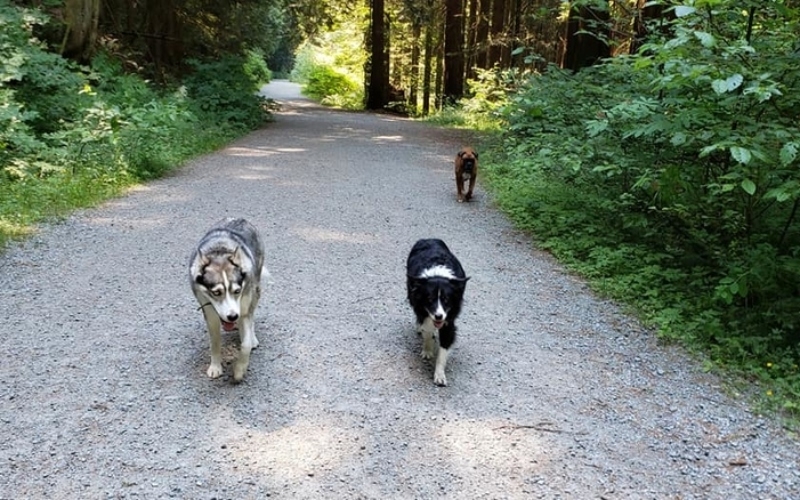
(553, 394)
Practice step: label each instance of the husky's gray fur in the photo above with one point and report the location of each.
(225, 271)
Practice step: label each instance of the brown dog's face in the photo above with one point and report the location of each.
(469, 158)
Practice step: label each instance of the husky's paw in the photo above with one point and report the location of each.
(439, 378)
(239, 369)
(214, 370)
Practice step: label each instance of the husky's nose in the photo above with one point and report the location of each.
(233, 317)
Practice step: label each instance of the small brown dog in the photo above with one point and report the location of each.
(466, 170)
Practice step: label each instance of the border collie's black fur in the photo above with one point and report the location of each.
(436, 283)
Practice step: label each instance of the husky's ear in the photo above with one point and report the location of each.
(236, 257)
(198, 267)
(240, 260)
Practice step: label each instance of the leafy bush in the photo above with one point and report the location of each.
(72, 136)
(331, 68)
(255, 68)
(671, 180)
(333, 88)
(226, 89)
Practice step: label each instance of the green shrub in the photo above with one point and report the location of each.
(333, 88)
(223, 90)
(71, 137)
(255, 68)
(331, 68)
(670, 179)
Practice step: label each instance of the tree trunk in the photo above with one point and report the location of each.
(416, 32)
(428, 68)
(586, 49)
(439, 75)
(453, 51)
(377, 63)
(470, 27)
(163, 35)
(517, 35)
(81, 18)
(648, 13)
(496, 37)
(482, 34)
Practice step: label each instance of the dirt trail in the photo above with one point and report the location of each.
(553, 393)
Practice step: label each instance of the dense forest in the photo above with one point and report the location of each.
(650, 145)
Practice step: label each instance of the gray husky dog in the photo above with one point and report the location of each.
(225, 271)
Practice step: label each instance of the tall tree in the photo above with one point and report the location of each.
(471, 36)
(430, 47)
(377, 71)
(586, 36)
(496, 35)
(453, 51)
(482, 34)
(649, 15)
(81, 18)
(416, 32)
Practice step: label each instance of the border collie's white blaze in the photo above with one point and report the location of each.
(438, 272)
(436, 283)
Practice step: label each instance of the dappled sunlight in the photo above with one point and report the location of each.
(138, 223)
(289, 453)
(327, 235)
(255, 177)
(390, 138)
(261, 152)
(514, 453)
(15, 230)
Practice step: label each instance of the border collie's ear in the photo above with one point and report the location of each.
(460, 281)
(415, 281)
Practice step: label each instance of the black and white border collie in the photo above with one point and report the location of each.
(436, 283)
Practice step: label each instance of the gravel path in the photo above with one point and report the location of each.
(553, 393)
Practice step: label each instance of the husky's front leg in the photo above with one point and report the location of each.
(213, 324)
(247, 335)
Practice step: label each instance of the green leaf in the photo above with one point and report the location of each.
(733, 82)
(684, 10)
(706, 39)
(596, 127)
(709, 149)
(678, 139)
(788, 153)
(742, 155)
(749, 186)
(718, 86)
